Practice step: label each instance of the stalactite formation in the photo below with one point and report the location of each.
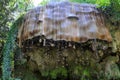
(68, 41)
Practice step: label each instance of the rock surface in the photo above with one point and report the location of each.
(65, 21)
(56, 41)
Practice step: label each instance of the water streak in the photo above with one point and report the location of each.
(65, 21)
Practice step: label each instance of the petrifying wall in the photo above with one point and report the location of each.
(66, 40)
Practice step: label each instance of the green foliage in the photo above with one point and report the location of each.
(103, 3)
(58, 72)
(23, 5)
(9, 12)
(55, 73)
(5, 11)
(82, 72)
(113, 10)
(44, 2)
(84, 1)
(8, 55)
(45, 73)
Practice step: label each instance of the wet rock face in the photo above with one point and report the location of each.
(56, 40)
(64, 21)
(87, 59)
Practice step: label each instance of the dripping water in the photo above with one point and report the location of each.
(95, 41)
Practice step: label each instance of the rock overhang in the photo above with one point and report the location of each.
(64, 21)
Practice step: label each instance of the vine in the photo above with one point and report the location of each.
(8, 54)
